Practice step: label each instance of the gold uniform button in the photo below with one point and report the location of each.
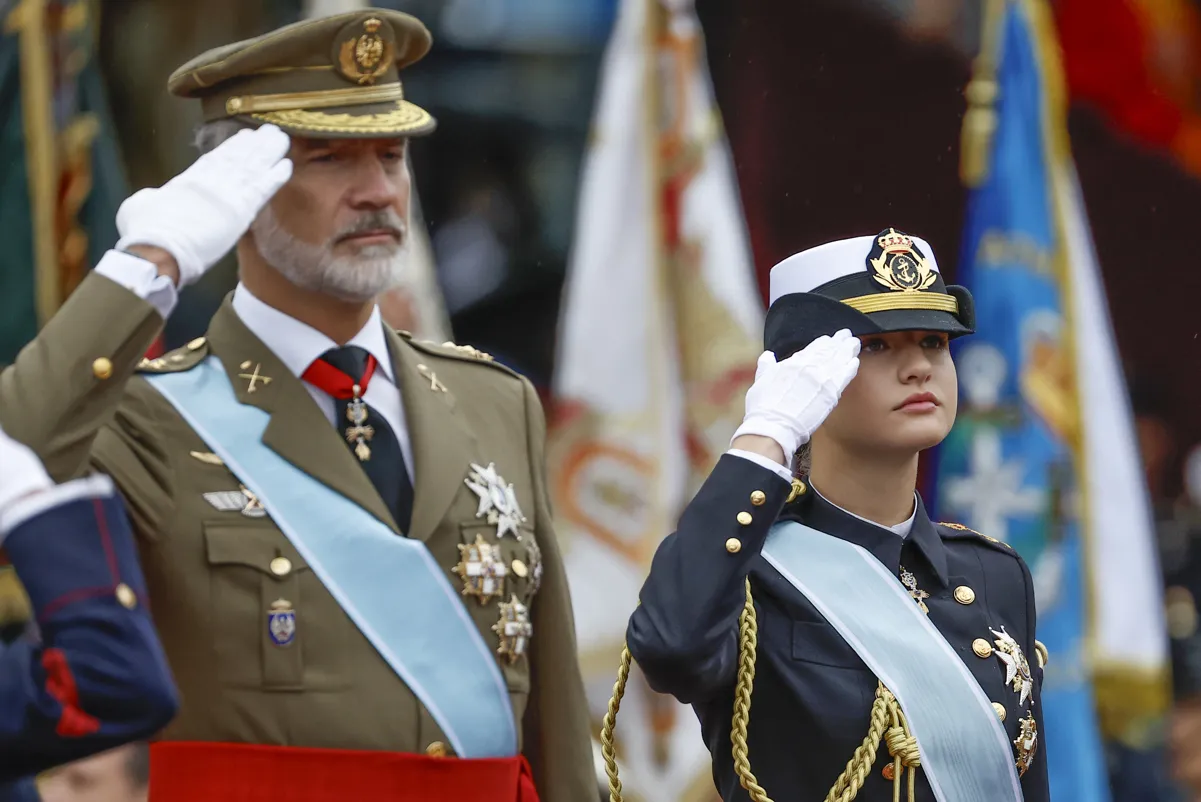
(519, 569)
(281, 566)
(127, 598)
(733, 545)
(758, 498)
(196, 344)
(745, 518)
(1000, 708)
(102, 368)
(982, 648)
(964, 594)
(436, 749)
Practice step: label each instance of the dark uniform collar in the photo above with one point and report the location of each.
(814, 511)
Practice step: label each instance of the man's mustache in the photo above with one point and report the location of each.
(387, 221)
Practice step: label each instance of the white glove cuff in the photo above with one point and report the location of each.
(189, 271)
(785, 438)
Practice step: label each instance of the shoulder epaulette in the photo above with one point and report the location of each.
(183, 358)
(465, 353)
(967, 531)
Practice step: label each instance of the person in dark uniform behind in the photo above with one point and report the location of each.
(99, 679)
(834, 641)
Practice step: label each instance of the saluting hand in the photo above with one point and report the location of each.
(790, 399)
(21, 474)
(199, 215)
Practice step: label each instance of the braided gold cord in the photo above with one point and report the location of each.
(888, 724)
(748, 642)
(901, 745)
(847, 786)
(610, 722)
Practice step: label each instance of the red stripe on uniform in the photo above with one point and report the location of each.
(106, 541)
(60, 683)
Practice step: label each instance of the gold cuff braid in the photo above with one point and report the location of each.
(887, 724)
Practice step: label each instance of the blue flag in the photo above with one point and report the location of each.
(1010, 467)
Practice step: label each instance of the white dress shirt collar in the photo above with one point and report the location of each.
(298, 344)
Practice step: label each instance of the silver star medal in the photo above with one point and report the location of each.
(1017, 669)
(498, 501)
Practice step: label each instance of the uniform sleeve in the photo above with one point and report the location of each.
(68, 382)
(1035, 782)
(684, 632)
(99, 679)
(556, 730)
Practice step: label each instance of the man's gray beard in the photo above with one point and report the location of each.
(356, 278)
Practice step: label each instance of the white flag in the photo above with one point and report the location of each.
(661, 326)
(1129, 640)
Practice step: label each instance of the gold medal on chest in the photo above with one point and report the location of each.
(482, 569)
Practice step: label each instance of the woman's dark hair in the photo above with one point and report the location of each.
(801, 461)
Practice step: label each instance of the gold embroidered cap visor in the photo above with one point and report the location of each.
(870, 285)
(336, 77)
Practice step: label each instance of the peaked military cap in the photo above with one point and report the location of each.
(327, 78)
(870, 285)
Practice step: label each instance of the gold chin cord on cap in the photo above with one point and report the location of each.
(887, 724)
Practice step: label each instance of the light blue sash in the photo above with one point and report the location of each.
(965, 753)
(389, 585)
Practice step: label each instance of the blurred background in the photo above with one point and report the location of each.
(608, 187)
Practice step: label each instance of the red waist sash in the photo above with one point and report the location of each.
(182, 771)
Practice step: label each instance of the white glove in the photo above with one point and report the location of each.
(202, 212)
(21, 472)
(790, 399)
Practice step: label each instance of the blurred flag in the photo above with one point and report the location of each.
(1138, 62)
(1044, 455)
(661, 327)
(61, 179)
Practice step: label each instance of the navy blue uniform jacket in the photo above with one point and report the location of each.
(812, 693)
(100, 678)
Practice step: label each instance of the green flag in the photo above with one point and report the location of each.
(61, 178)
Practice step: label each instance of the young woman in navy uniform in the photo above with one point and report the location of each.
(752, 606)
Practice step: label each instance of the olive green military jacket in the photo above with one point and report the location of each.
(214, 569)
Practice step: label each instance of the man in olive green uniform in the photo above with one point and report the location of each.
(345, 532)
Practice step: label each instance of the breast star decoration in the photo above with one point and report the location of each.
(514, 629)
(1026, 743)
(535, 555)
(1017, 669)
(498, 501)
(482, 569)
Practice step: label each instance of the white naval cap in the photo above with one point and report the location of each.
(810, 269)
